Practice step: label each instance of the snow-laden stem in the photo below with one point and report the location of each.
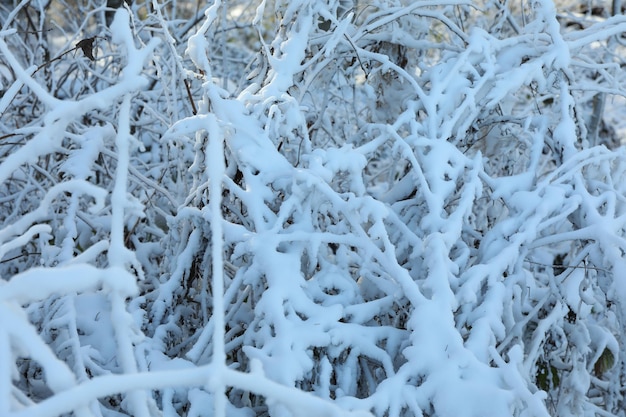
(216, 168)
(118, 252)
(119, 258)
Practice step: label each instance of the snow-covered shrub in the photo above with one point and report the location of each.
(310, 208)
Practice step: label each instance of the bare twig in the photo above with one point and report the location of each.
(85, 45)
(193, 105)
(22, 255)
(8, 136)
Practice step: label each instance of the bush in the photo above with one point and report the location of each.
(311, 208)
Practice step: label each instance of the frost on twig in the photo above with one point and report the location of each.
(313, 209)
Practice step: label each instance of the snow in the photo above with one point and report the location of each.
(40, 283)
(368, 222)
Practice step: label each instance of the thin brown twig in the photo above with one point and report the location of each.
(193, 105)
(358, 57)
(8, 136)
(32, 31)
(569, 266)
(86, 45)
(55, 59)
(22, 255)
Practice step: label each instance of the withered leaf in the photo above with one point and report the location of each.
(86, 45)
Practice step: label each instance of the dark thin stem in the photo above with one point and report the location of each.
(19, 256)
(568, 266)
(193, 105)
(55, 59)
(358, 57)
(8, 136)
